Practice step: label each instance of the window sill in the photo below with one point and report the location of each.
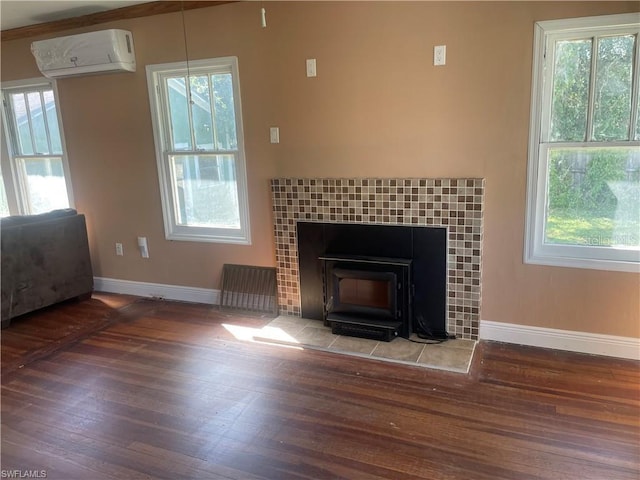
(194, 234)
(588, 263)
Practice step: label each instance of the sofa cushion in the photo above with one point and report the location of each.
(42, 217)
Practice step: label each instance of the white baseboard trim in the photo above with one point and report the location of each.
(157, 290)
(609, 345)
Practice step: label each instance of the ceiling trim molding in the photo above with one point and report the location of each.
(133, 11)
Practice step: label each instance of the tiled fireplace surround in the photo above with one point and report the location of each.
(454, 203)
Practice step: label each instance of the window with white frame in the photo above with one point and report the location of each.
(583, 192)
(200, 150)
(36, 161)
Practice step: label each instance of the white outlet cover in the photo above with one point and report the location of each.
(440, 55)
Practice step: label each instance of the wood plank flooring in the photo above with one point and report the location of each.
(163, 391)
(41, 333)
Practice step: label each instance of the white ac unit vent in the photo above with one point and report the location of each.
(85, 54)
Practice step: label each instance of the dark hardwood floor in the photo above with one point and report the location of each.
(144, 389)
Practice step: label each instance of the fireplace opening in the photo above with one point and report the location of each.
(376, 281)
(367, 296)
(372, 293)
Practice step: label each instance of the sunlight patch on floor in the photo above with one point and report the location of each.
(266, 334)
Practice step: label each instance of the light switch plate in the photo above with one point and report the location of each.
(311, 67)
(274, 135)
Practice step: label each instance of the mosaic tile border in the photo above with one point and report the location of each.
(454, 203)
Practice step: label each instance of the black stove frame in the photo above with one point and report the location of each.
(366, 320)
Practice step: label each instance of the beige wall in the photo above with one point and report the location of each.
(378, 108)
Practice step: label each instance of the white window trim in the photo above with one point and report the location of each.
(16, 193)
(535, 250)
(173, 231)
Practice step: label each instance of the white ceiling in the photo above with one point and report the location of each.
(20, 13)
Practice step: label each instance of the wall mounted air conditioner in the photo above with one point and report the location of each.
(84, 54)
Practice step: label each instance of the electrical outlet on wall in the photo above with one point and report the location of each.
(119, 250)
(440, 55)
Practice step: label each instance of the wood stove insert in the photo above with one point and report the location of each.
(367, 296)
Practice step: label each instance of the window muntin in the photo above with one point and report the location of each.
(36, 147)
(606, 107)
(210, 123)
(584, 185)
(199, 145)
(35, 121)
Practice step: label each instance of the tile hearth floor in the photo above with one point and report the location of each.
(452, 355)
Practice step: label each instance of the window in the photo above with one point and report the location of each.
(583, 192)
(200, 150)
(35, 147)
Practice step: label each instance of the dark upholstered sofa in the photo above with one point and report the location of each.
(45, 260)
